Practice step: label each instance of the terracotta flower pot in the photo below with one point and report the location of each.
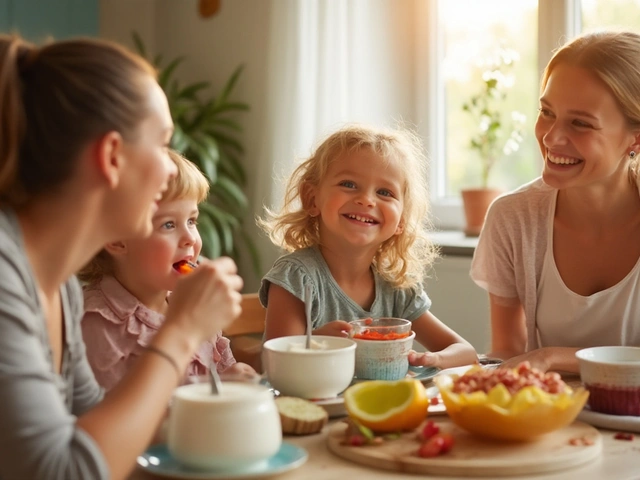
(476, 202)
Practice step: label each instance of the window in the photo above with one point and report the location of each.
(610, 14)
(475, 35)
(467, 32)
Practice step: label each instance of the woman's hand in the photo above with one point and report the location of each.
(337, 328)
(208, 299)
(537, 358)
(561, 359)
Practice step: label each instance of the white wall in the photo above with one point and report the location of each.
(213, 48)
(118, 18)
(239, 33)
(459, 302)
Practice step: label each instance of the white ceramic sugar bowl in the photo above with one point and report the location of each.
(237, 430)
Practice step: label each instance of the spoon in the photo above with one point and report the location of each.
(185, 266)
(216, 383)
(307, 308)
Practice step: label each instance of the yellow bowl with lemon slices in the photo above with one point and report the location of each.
(387, 406)
(504, 414)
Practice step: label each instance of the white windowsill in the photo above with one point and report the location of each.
(454, 243)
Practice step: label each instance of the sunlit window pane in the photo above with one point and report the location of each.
(610, 14)
(472, 33)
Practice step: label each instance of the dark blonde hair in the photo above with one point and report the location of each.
(55, 99)
(613, 57)
(402, 260)
(189, 182)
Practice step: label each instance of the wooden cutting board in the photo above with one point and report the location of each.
(473, 456)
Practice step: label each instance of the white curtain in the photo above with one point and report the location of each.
(330, 62)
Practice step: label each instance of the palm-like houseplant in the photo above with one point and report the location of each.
(495, 136)
(206, 133)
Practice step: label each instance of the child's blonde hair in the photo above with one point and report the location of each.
(189, 182)
(402, 260)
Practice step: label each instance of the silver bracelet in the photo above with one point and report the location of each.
(166, 356)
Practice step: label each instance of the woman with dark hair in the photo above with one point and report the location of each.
(84, 133)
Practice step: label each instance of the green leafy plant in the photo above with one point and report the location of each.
(495, 136)
(206, 133)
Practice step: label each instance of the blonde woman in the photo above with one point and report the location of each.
(560, 256)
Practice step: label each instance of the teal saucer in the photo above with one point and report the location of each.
(419, 373)
(158, 460)
(422, 373)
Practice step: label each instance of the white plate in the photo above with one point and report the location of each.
(612, 422)
(455, 370)
(433, 392)
(158, 461)
(335, 406)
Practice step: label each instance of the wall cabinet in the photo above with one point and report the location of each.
(37, 20)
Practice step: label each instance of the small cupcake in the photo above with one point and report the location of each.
(300, 417)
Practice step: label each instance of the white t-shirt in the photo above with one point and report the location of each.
(567, 319)
(508, 261)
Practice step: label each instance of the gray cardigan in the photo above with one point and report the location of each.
(38, 433)
(508, 259)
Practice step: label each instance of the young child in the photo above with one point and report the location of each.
(128, 285)
(355, 221)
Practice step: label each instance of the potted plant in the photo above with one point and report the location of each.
(205, 133)
(498, 133)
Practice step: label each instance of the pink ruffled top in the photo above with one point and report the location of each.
(116, 328)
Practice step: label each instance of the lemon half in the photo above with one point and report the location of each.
(386, 406)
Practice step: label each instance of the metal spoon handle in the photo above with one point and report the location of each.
(307, 308)
(216, 383)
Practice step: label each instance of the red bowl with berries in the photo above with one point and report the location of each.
(510, 404)
(612, 376)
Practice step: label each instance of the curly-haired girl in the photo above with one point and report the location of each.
(355, 221)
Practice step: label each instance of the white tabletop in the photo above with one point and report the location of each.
(620, 460)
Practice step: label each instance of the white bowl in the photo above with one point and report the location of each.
(237, 430)
(315, 373)
(612, 376)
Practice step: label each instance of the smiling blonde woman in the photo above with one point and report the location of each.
(560, 256)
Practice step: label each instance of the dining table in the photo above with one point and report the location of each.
(619, 459)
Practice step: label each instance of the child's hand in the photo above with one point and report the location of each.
(424, 359)
(337, 328)
(206, 300)
(240, 372)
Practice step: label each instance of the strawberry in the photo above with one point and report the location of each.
(429, 430)
(447, 441)
(431, 448)
(356, 440)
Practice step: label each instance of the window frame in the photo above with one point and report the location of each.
(558, 20)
